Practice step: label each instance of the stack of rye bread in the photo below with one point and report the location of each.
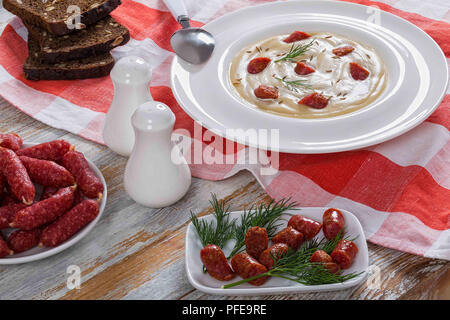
(60, 51)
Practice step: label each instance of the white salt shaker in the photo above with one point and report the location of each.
(157, 175)
(131, 77)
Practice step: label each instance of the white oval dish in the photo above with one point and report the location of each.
(204, 282)
(417, 77)
(38, 253)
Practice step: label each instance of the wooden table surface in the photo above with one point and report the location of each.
(138, 253)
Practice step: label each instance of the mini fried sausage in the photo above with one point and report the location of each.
(325, 260)
(216, 263)
(344, 253)
(257, 65)
(44, 211)
(8, 213)
(256, 241)
(4, 249)
(272, 254)
(53, 150)
(87, 181)
(16, 175)
(11, 141)
(69, 223)
(358, 72)
(342, 51)
(247, 267)
(47, 173)
(333, 222)
(266, 92)
(289, 236)
(23, 240)
(315, 100)
(296, 36)
(310, 228)
(303, 69)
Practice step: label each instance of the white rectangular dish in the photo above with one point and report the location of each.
(205, 283)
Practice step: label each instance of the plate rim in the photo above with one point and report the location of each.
(75, 238)
(279, 290)
(329, 149)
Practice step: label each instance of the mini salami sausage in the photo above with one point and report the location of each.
(303, 69)
(87, 181)
(315, 100)
(257, 65)
(22, 240)
(44, 211)
(333, 222)
(53, 150)
(47, 173)
(358, 72)
(247, 267)
(216, 263)
(4, 249)
(11, 141)
(310, 228)
(344, 253)
(8, 213)
(296, 36)
(325, 260)
(266, 92)
(272, 254)
(17, 176)
(69, 223)
(289, 236)
(256, 241)
(342, 51)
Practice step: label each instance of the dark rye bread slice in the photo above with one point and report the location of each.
(52, 15)
(96, 39)
(93, 67)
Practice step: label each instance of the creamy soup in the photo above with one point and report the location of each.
(328, 74)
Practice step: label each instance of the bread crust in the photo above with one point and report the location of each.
(59, 26)
(93, 67)
(87, 44)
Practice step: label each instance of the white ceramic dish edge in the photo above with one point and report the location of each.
(362, 144)
(363, 254)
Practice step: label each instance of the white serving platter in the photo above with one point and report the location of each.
(207, 284)
(417, 77)
(38, 253)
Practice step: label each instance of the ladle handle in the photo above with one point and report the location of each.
(177, 8)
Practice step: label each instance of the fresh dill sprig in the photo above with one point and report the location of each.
(264, 216)
(296, 266)
(218, 232)
(295, 51)
(292, 84)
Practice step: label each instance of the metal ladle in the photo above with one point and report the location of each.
(194, 45)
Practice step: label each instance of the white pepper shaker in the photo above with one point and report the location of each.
(156, 175)
(131, 77)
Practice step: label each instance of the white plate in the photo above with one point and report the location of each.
(417, 77)
(38, 253)
(208, 284)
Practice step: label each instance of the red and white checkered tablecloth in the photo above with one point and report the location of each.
(398, 189)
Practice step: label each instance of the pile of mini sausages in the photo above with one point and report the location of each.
(259, 257)
(70, 196)
(313, 100)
